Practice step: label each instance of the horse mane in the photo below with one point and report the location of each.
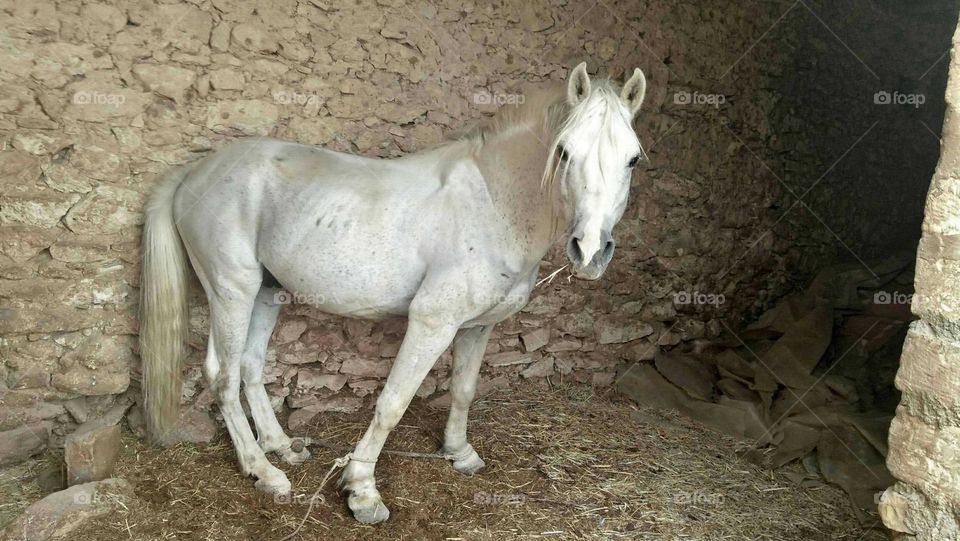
(546, 114)
(540, 110)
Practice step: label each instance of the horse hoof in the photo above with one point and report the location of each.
(274, 482)
(470, 465)
(368, 510)
(469, 462)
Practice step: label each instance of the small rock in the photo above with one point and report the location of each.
(227, 79)
(308, 378)
(364, 387)
(194, 426)
(539, 369)
(22, 442)
(62, 512)
(642, 351)
(564, 344)
(509, 358)
(687, 373)
(249, 117)
(220, 37)
(254, 37)
(169, 81)
(544, 305)
(661, 311)
(304, 415)
(535, 340)
(290, 330)
(580, 324)
(602, 379)
(563, 365)
(736, 390)
(91, 452)
(106, 209)
(359, 366)
(611, 330)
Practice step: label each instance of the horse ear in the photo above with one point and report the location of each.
(578, 84)
(633, 91)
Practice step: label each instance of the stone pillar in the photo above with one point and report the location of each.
(925, 434)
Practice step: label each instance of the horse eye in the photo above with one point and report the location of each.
(633, 161)
(562, 154)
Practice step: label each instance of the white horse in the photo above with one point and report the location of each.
(451, 238)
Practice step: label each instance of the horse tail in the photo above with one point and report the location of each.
(163, 309)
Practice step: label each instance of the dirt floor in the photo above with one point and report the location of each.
(561, 463)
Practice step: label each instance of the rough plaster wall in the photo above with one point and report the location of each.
(925, 434)
(99, 98)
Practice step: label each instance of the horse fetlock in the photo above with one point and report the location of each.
(270, 445)
(292, 456)
(357, 477)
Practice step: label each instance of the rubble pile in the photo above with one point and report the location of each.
(811, 380)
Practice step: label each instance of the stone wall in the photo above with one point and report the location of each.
(98, 99)
(925, 435)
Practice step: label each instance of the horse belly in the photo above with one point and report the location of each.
(348, 282)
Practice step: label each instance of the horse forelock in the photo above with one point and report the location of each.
(601, 108)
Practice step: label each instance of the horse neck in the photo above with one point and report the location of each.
(512, 164)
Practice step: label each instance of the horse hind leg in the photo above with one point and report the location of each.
(270, 434)
(231, 305)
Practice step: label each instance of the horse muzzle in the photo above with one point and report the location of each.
(595, 267)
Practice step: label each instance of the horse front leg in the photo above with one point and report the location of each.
(424, 342)
(468, 349)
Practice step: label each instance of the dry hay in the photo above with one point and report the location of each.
(561, 463)
(18, 484)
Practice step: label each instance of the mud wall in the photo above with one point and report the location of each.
(98, 99)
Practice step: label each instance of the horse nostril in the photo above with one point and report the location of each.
(574, 252)
(608, 250)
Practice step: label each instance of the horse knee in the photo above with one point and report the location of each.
(462, 393)
(387, 416)
(251, 371)
(226, 389)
